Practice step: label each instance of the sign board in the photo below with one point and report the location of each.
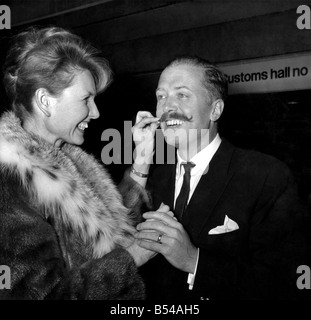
(275, 74)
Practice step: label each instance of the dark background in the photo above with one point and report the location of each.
(139, 37)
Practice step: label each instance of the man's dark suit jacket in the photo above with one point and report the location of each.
(259, 260)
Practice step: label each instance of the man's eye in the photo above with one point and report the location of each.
(182, 95)
(160, 97)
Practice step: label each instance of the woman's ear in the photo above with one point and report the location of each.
(217, 109)
(43, 101)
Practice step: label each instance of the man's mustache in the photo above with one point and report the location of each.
(175, 116)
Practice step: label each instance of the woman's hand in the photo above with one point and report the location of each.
(141, 255)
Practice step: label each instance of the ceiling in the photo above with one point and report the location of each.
(191, 13)
(24, 11)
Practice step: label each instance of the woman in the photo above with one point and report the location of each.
(64, 230)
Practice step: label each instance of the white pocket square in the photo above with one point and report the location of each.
(228, 226)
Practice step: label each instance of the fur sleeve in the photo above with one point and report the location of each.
(135, 197)
(129, 192)
(29, 246)
(113, 277)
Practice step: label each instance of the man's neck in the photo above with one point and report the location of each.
(189, 152)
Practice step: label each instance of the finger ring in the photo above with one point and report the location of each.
(160, 237)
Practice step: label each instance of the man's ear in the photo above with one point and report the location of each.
(43, 101)
(217, 109)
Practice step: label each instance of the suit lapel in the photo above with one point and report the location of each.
(209, 190)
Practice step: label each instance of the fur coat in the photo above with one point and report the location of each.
(61, 218)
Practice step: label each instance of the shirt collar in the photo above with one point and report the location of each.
(202, 158)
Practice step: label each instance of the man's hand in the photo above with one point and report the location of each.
(143, 136)
(174, 244)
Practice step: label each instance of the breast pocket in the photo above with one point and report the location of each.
(229, 243)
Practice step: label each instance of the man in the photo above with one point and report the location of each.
(232, 238)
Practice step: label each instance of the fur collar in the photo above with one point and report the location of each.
(67, 185)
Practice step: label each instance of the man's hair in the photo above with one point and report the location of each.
(49, 58)
(214, 80)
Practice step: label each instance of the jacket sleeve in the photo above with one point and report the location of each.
(135, 197)
(29, 247)
(275, 248)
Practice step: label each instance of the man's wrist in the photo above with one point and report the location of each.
(143, 158)
(142, 166)
(138, 173)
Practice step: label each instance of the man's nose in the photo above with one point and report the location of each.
(170, 105)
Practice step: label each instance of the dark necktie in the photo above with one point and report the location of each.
(182, 199)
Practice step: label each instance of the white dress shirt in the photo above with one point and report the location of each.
(201, 161)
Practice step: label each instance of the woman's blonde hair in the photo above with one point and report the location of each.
(49, 58)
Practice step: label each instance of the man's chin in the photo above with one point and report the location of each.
(176, 137)
(172, 141)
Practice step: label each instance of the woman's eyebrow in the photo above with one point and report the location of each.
(88, 94)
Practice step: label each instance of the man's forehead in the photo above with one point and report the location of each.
(183, 67)
(182, 75)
